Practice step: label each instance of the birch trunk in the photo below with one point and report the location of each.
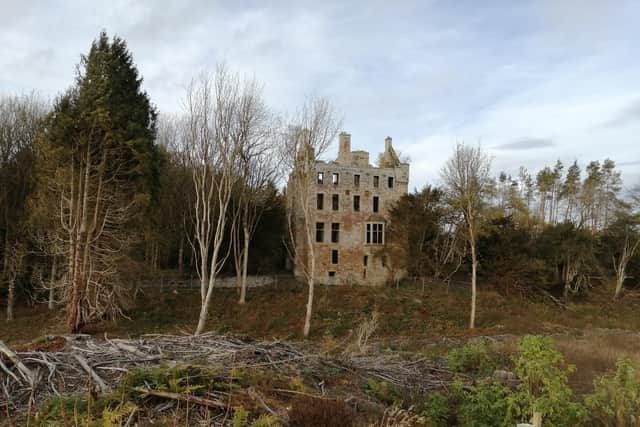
(245, 265)
(474, 267)
(11, 298)
(52, 284)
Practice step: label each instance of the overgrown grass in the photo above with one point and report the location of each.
(278, 312)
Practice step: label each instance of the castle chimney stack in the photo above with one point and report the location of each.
(344, 153)
(387, 144)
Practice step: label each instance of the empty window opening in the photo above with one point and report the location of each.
(332, 274)
(356, 203)
(335, 202)
(390, 182)
(320, 201)
(365, 261)
(375, 233)
(319, 232)
(376, 181)
(335, 232)
(334, 256)
(335, 178)
(320, 177)
(356, 180)
(376, 203)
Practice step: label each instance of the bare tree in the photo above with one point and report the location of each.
(214, 113)
(467, 183)
(306, 139)
(256, 168)
(20, 122)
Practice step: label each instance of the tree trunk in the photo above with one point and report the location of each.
(204, 309)
(307, 318)
(74, 313)
(11, 298)
(310, 281)
(474, 267)
(620, 276)
(245, 263)
(181, 254)
(52, 283)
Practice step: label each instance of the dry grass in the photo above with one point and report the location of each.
(408, 319)
(596, 353)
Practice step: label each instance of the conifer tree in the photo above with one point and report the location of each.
(105, 171)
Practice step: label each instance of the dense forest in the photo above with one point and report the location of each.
(99, 190)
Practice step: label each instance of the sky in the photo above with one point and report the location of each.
(530, 81)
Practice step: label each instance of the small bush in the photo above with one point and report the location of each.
(485, 405)
(544, 385)
(309, 411)
(436, 410)
(616, 397)
(471, 358)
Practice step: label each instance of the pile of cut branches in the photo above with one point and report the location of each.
(85, 364)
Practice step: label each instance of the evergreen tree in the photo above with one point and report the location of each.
(571, 190)
(106, 172)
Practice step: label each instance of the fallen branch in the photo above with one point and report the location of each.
(26, 373)
(85, 365)
(180, 397)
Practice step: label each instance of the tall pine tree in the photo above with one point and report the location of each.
(105, 169)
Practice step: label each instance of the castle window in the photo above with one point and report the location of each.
(335, 232)
(375, 233)
(320, 177)
(390, 182)
(376, 203)
(376, 181)
(332, 274)
(334, 256)
(356, 180)
(319, 232)
(335, 202)
(320, 201)
(356, 203)
(365, 261)
(335, 178)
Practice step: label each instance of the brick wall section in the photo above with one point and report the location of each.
(352, 246)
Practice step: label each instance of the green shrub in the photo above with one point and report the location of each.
(473, 357)
(615, 400)
(485, 405)
(436, 410)
(544, 385)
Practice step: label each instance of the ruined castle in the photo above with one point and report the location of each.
(349, 201)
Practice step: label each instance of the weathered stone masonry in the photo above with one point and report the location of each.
(350, 200)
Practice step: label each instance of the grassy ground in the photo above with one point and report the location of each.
(406, 312)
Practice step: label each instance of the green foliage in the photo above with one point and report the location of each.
(436, 410)
(473, 358)
(179, 379)
(106, 411)
(544, 384)
(615, 400)
(241, 419)
(485, 405)
(384, 391)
